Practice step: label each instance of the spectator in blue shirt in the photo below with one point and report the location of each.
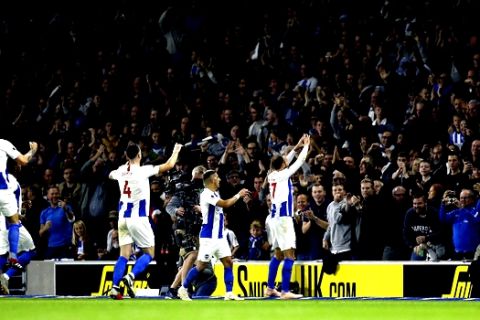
(56, 223)
(465, 222)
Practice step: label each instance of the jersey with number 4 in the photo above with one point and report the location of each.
(281, 187)
(134, 189)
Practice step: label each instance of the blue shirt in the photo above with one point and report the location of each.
(466, 227)
(60, 234)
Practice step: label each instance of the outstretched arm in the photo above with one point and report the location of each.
(305, 141)
(24, 159)
(170, 163)
(231, 201)
(292, 153)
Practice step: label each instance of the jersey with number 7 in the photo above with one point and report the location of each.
(281, 188)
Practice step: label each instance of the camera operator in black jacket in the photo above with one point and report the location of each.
(185, 211)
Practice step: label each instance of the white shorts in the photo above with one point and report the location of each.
(213, 247)
(8, 203)
(25, 241)
(282, 233)
(136, 230)
(268, 226)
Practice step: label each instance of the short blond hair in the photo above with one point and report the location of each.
(256, 224)
(198, 170)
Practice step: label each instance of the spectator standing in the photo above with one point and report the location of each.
(240, 213)
(48, 180)
(301, 208)
(35, 203)
(422, 231)
(56, 224)
(465, 222)
(401, 176)
(425, 179)
(256, 129)
(338, 237)
(70, 188)
(437, 159)
(109, 137)
(315, 222)
(258, 195)
(370, 223)
(253, 162)
(98, 194)
(153, 124)
(474, 156)
(435, 195)
(452, 176)
(394, 217)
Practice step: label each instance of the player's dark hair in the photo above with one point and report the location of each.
(132, 151)
(276, 162)
(207, 174)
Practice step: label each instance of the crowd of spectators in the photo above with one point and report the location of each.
(389, 92)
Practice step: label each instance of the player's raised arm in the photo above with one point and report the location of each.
(170, 163)
(24, 159)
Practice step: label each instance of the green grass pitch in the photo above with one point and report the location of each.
(159, 309)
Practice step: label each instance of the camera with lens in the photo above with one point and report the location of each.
(175, 181)
(187, 242)
(449, 198)
(187, 193)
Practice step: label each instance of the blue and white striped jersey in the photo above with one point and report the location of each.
(15, 188)
(281, 188)
(212, 215)
(134, 189)
(7, 149)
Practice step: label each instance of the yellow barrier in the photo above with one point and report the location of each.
(448, 279)
(356, 279)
